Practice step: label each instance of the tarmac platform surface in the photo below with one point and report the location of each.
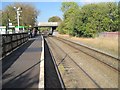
(21, 69)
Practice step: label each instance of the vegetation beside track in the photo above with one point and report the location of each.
(105, 44)
(90, 19)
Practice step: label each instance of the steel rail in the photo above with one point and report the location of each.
(56, 68)
(78, 66)
(64, 40)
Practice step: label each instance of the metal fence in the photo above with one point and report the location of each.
(0, 46)
(12, 41)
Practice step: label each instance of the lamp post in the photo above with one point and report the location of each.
(18, 14)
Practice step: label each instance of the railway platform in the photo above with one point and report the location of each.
(21, 68)
(24, 67)
(55, 62)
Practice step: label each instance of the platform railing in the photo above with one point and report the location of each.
(12, 41)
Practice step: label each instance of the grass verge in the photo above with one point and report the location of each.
(105, 44)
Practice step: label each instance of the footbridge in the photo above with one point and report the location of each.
(53, 25)
(48, 24)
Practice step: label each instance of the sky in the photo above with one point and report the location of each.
(49, 8)
(46, 9)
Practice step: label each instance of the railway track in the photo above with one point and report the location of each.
(104, 58)
(77, 47)
(52, 75)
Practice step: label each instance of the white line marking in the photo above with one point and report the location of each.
(41, 76)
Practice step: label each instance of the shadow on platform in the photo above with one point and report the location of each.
(11, 58)
(23, 80)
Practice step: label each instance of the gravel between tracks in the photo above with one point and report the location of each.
(72, 76)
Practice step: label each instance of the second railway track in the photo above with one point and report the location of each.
(104, 58)
(102, 68)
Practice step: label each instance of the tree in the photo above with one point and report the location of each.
(0, 17)
(28, 16)
(60, 28)
(54, 19)
(44, 29)
(70, 9)
(89, 20)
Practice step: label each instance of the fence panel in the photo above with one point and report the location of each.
(12, 41)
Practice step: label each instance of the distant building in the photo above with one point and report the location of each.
(2, 29)
(21, 29)
(11, 30)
